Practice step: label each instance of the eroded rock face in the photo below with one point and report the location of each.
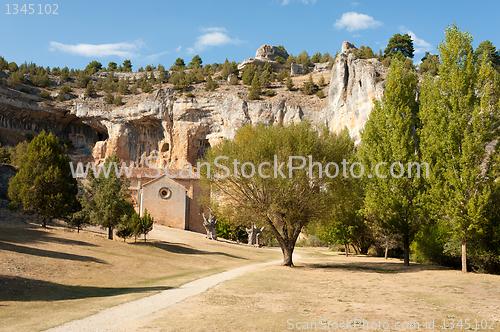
(354, 86)
(179, 130)
(267, 52)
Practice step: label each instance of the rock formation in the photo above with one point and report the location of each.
(266, 52)
(354, 85)
(172, 129)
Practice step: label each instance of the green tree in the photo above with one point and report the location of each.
(326, 57)
(93, 67)
(316, 57)
(394, 198)
(486, 47)
(109, 98)
(178, 64)
(3, 63)
(284, 203)
(459, 117)
(13, 67)
(41, 80)
(105, 197)
(90, 89)
(400, 43)
(195, 62)
(430, 64)
(82, 80)
(64, 75)
(16, 78)
(112, 66)
(44, 183)
(309, 88)
(255, 89)
(145, 224)
(211, 85)
(127, 65)
(289, 84)
(303, 58)
(118, 101)
(122, 87)
(248, 74)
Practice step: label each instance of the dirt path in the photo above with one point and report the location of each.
(114, 318)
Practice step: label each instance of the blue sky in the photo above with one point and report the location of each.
(152, 32)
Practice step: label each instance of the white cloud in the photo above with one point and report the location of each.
(353, 21)
(355, 4)
(212, 37)
(178, 49)
(154, 57)
(420, 45)
(124, 50)
(305, 2)
(356, 36)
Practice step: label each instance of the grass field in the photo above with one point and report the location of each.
(51, 276)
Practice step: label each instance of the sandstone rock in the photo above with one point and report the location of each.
(268, 53)
(296, 69)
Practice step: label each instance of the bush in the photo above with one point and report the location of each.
(65, 89)
(190, 95)
(309, 88)
(42, 81)
(25, 90)
(289, 84)
(270, 93)
(16, 78)
(13, 67)
(234, 80)
(61, 96)
(280, 60)
(109, 98)
(211, 85)
(320, 94)
(118, 101)
(82, 80)
(44, 94)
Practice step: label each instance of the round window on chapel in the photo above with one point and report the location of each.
(165, 193)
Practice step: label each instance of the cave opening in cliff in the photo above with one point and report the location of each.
(204, 145)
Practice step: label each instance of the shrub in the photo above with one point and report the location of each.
(25, 90)
(211, 85)
(289, 83)
(42, 81)
(44, 94)
(190, 95)
(321, 81)
(270, 93)
(234, 80)
(61, 96)
(282, 75)
(65, 89)
(82, 80)
(118, 101)
(309, 88)
(13, 67)
(89, 90)
(109, 98)
(16, 78)
(320, 94)
(280, 60)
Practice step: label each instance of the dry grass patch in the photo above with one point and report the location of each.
(332, 287)
(55, 275)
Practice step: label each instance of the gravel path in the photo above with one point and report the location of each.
(111, 319)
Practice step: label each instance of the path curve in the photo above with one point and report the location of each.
(111, 318)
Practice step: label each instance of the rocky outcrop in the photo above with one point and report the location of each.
(269, 53)
(170, 130)
(261, 62)
(354, 85)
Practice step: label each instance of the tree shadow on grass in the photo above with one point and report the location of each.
(34, 235)
(24, 290)
(181, 248)
(47, 253)
(376, 267)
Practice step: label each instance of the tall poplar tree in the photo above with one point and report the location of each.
(394, 198)
(459, 117)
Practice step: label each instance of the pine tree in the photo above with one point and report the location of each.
(89, 90)
(459, 117)
(44, 182)
(122, 87)
(145, 224)
(289, 83)
(105, 198)
(255, 89)
(393, 193)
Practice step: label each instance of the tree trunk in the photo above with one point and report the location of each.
(144, 238)
(287, 255)
(464, 255)
(44, 222)
(346, 248)
(386, 250)
(406, 244)
(110, 233)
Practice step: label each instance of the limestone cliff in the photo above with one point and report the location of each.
(354, 85)
(179, 129)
